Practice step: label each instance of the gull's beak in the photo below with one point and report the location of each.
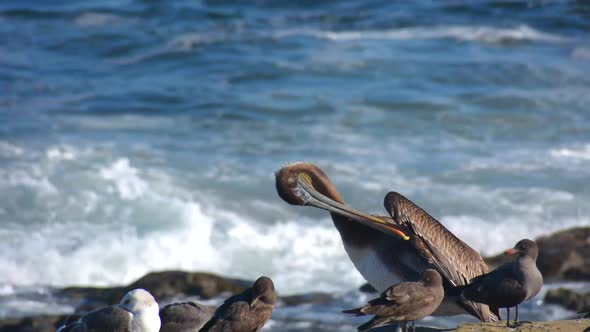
(511, 251)
(311, 196)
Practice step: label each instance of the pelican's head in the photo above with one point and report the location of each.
(306, 184)
(290, 180)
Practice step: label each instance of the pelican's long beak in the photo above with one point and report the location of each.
(311, 196)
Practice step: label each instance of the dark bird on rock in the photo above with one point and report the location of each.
(510, 284)
(245, 312)
(391, 249)
(185, 317)
(137, 312)
(404, 302)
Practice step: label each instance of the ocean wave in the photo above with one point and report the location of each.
(463, 33)
(96, 19)
(533, 160)
(491, 237)
(115, 218)
(10, 150)
(125, 178)
(28, 301)
(187, 42)
(581, 53)
(299, 257)
(579, 153)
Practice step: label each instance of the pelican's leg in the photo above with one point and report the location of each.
(413, 326)
(516, 321)
(404, 327)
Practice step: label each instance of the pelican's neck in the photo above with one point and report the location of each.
(354, 233)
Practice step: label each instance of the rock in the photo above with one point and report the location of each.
(564, 255)
(203, 285)
(41, 323)
(308, 298)
(161, 284)
(556, 326)
(569, 299)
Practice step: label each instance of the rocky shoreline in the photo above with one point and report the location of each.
(564, 256)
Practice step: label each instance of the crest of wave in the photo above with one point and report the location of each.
(484, 34)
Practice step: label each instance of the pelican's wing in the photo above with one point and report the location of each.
(456, 261)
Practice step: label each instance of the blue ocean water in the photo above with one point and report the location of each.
(143, 135)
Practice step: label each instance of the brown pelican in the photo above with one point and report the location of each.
(244, 312)
(404, 302)
(510, 284)
(390, 250)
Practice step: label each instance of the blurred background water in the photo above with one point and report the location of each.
(143, 135)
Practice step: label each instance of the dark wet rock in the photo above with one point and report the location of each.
(308, 298)
(203, 285)
(569, 299)
(563, 255)
(41, 323)
(162, 285)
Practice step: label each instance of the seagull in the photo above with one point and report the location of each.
(510, 284)
(184, 317)
(244, 312)
(404, 302)
(137, 312)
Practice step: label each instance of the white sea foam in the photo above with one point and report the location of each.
(151, 219)
(296, 256)
(31, 179)
(491, 237)
(568, 159)
(125, 178)
(580, 152)
(10, 150)
(61, 153)
(187, 42)
(87, 235)
(6, 289)
(484, 34)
